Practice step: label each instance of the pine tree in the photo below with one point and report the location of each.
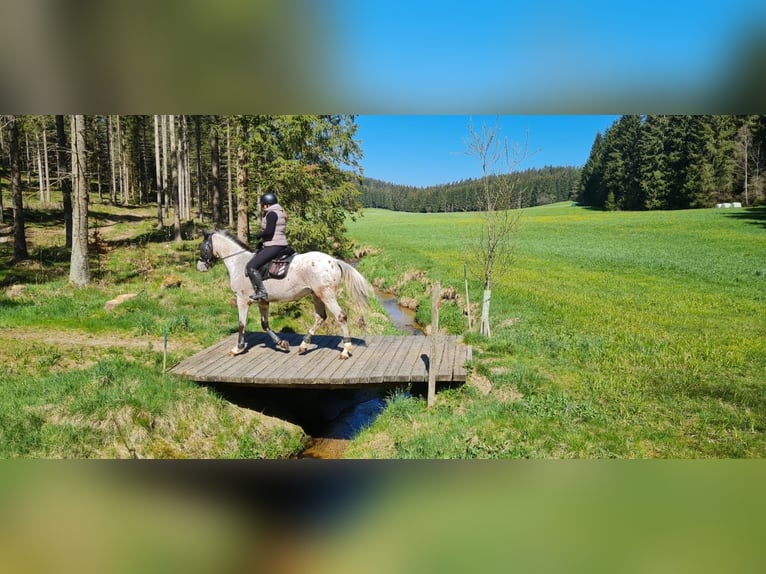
(653, 169)
(591, 177)
(699, 186)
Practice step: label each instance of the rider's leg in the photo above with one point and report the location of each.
(264, 255)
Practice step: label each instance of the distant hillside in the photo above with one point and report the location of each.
(537, 187)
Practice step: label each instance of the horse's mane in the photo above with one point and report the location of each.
(234, 239)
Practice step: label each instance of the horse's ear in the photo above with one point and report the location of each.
(204, 233)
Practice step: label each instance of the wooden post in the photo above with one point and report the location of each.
(467, 300)
(435, 300)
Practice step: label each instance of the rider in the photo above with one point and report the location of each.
(274, 239)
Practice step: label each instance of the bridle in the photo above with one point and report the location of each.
(207, 257)
(206, 252)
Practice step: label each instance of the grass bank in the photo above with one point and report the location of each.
(81, 381)
(630, 335)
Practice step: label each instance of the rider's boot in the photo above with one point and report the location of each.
(258, 288)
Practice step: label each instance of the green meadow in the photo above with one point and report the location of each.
(630, 335)
(615, 334)
(83, 381)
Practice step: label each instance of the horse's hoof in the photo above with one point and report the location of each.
(237, 350)
(343, 357)
(284, 345)
(302, 349)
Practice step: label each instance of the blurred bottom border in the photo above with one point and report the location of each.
(382, 516)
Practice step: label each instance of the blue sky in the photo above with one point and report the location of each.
(423, 150)
(415, 72)
(505, 56)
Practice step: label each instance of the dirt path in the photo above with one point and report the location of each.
(79, 339)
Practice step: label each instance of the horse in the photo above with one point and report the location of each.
(313, 272)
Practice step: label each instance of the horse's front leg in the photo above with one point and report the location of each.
(320, 314)
(280, 343)
(242, 307)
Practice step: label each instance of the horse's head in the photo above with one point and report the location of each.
(206, 255)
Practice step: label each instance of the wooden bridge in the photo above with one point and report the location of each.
(375, 360)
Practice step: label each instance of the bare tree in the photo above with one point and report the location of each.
(158, 169)
(165, 165)
(19, 235)
(45, 159)
(217, 199)
(65, 179)
(243, 223)
(491, 252)
(79, 270)
(229, 170)
(174, 178)
(198, 135)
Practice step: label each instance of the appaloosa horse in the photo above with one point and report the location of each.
(313, 272)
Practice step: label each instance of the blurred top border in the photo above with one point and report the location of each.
(374, 57)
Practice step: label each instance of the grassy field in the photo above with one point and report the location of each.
(630, 335)
(81, 381)
(634, 335)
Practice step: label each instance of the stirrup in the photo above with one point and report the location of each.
(260, 296)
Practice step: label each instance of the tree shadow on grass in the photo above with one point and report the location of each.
(751, 215)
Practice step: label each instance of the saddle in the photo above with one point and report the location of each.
(277, 267)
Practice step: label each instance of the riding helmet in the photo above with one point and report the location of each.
(268, 199)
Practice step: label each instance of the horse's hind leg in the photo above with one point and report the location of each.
(242, 308)
(263, 306)
(320, 314)
(340, 316)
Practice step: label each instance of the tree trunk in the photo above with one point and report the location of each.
(165, 199)
(112, 162)
(29, 160)
(180, 181)
(40, 178)
(198, 134)
(243, 223)
(484, 328)
(79, 271)
(19, 238)
(65, 183)
(215, 175)
(229, 170)
(120, 156)
(45, 156)
(158, 169)
(174, 178)
(100, 161)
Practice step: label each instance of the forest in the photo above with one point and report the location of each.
(676, 162)
(534, 186)
(207, 169)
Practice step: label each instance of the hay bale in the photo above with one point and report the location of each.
(171, 282)
(15, 291)
(119, 300)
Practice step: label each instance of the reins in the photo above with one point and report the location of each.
(233, 254)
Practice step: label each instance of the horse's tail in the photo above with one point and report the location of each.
(358, 287)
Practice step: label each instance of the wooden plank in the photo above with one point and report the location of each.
(446, 360)
(401, 355)
(338, 372)
(356, 370)
(309, 367)
(374, 360)
(412, 368)
(385, 355)
(219, 355)
(199, 360)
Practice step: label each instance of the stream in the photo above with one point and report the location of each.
(330, 417)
